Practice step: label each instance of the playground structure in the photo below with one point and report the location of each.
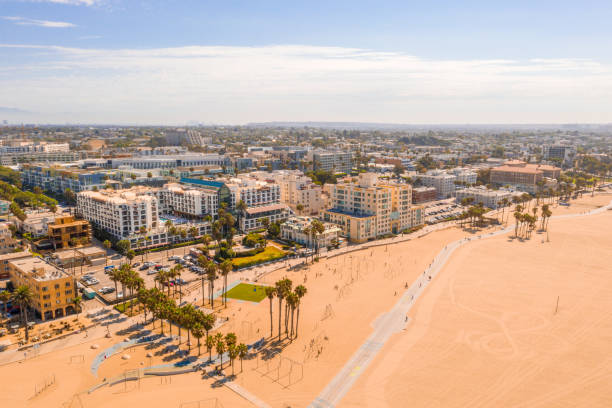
(44, 384)
(77, 359)
(206, 403)
(282, 370)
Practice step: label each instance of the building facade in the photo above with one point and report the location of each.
(66, 230)
(294, 229)
(332, 161)
(422, 195)
(370, 208)
(443, 183)
(523, 176)
(52, 288)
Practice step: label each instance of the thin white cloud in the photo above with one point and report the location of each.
(294, 82)
(90, 37)
(38, 23)
(69, 2)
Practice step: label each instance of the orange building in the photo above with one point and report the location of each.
(65, 228)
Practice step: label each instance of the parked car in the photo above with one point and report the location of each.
(143, 267)
(136, 264)
(152, 271)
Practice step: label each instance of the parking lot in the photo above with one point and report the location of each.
(441, 211)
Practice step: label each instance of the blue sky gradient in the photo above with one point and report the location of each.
(528, 36)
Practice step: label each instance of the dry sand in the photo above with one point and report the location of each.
(486, 333)
(498, 288)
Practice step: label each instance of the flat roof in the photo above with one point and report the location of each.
(263, 208)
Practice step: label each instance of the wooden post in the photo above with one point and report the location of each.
(557, 307)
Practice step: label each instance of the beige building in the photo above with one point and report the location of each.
(370, 208)
(52, 289)
(6, 258)
(296, 190)
(7, 242)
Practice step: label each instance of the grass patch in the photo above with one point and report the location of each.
(271, 253)
(119, 306)
(246, 291)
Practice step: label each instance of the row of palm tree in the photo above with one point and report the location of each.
(194, 321)
(282, 290)
(128, 278)
(164, 277)
(212, 268)
(526, 223)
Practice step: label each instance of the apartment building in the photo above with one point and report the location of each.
(523, 176)
(5, 259)
(370, 208)
(59, 178)
(332, 161)
(8, 244)
(294, 230)
(188, 201)
(443, 182)
(296, 189)
(121, 213)
(422, 195)
(253, 192)
(52, 288)
(565, 154)
(465, 176)
(66, 229)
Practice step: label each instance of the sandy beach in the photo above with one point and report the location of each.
(484, 333)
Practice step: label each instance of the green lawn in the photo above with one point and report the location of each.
(246, 291)
(269, 254)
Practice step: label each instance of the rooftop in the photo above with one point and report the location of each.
(38, 269)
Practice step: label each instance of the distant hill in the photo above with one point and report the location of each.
(424, 140)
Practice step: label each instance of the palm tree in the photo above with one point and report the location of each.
(24, 297)
(270, 293)
(243, 350)
(210, 343)
(240, 209)
(130, 255)
(168, 225)
(225, 267)
(5, 296)
(280, 294)
(211, 275)
(198, 333)
(115, 276)
(107, 245)
(300, 292)
(292, 304)
(220, 347)
(233, 352)
(76, 301)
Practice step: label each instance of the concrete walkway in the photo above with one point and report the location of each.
(395, 320)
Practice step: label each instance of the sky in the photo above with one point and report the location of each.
(234, 62)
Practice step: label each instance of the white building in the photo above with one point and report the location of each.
(122, 213)
(294, 230)
(488, 198)
(36, 223)
(465, 176)
(443, 183)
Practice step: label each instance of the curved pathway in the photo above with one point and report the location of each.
(395, 320)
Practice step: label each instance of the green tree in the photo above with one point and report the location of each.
(24, 297)
(107, 245)
(270, 294)
(76, 302)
